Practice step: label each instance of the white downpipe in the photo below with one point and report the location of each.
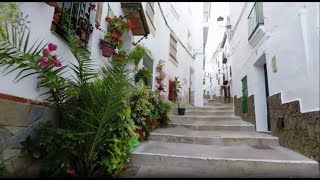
(306, 39)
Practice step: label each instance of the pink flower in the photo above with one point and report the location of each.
(71, 171)
(46, 52)
(57, 63)
(55, 57)
(52, 47)
(44, 62)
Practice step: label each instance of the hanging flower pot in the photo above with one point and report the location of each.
(158, 80)
(159, 68)
(83, 36)
(107, 49)
(53, 4)
(118, 57)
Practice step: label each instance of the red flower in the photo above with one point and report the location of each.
(116, 37)
(71, 171)
(108, 20)
(93, 7)
(130, 25)
(57, 63)
(52, 47)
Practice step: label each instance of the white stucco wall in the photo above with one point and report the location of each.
(292, 36)
(41, 16)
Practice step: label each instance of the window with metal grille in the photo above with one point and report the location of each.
(78, 14)
(244, 95)
(148, 63)
(173, 47)
(171, 91)
(255, 18)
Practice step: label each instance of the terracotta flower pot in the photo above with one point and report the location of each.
(83, 36)
(118, 57)
(159, 68)
(158, 80)
(107, 49)
(53, 4)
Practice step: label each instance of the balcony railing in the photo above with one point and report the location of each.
(255, 18)
(224, 58)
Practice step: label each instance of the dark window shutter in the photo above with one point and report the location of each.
(244, 95)
(171, 94)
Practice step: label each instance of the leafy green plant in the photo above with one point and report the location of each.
(137, 53)
(143, 74)
(8, 13)
(141, 106)
(93, 104)
(164, 108)
(176, 90)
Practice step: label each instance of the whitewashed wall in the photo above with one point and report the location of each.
(41, 16)
(292, 36)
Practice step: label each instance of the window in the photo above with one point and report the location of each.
(244, 95)
(171, 91)
(189, 40)
(230, 71)
(78, 13)
(174, 12)
(150, 11)
(255, 18)
(173, 47)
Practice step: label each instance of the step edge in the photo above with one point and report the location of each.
(174, 135)
(230, 159)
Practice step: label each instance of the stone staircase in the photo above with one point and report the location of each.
(212, 142)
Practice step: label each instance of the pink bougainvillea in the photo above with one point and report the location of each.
(52, 47)
(44, 62)
(46, 52)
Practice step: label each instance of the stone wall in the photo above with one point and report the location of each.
(250, 115)
(20, 118)
(301, 131)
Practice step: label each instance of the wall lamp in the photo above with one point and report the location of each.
(220, 18)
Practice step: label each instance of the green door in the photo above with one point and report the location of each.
(244, 95)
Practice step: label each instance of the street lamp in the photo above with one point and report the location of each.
(220, 19)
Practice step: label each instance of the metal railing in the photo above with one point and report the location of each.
(255, 18)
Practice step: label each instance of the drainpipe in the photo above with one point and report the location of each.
(303, 13)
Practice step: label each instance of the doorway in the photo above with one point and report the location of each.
(261, 94)
(267, 93)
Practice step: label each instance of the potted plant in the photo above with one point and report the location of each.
(120, 55)
(158, 79)
(176, 92)
(160, 65)
(145, 75)
(112, 38)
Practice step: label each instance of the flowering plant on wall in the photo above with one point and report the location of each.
(117, 27)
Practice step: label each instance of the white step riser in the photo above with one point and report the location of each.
(208, 113)
(214, 128)
(230, 167)
(205, 118)
(211, 109)
(271, 142)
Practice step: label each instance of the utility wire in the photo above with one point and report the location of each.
(165, 20)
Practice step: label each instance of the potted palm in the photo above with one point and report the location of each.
(176, 92)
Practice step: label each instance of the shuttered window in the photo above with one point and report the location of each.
(173, 48)
(244, 95)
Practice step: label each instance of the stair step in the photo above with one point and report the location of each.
(225, 161)
(212, 112)
(203, 125)
(224, 138)
(203, 117)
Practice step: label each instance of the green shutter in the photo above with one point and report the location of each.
(244, 95)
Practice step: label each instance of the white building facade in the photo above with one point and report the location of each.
(274, 53)
(167, 22)
(218, 64)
